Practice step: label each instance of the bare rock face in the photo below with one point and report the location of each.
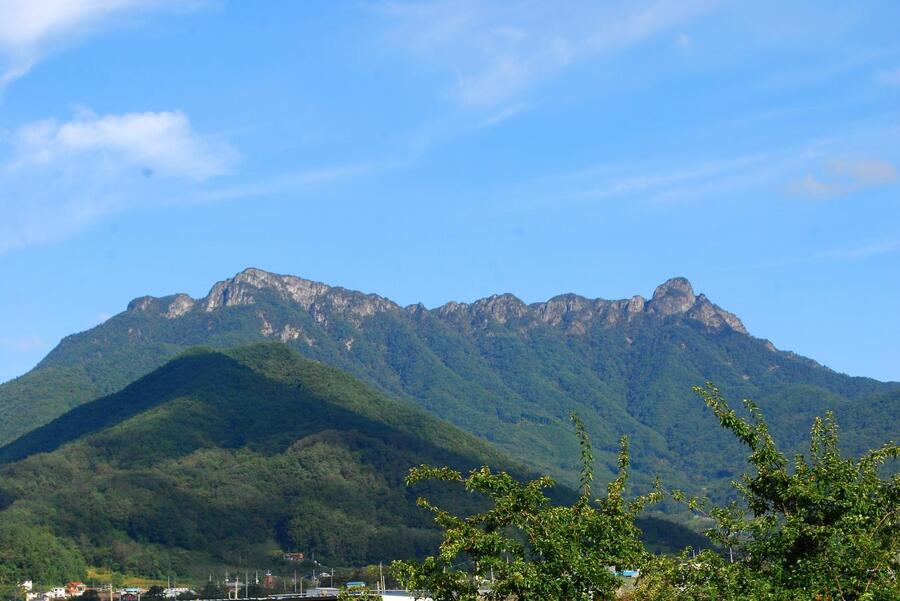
(500, 308)
(289, 333)
(672, 297)
(181, 304)
(571, 313)
(635, 305)
(714, 317)
(315, 297)
(143, 303)
(266, 329)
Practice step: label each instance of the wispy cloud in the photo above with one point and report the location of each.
(890, 77)
(691, 180)
(498, 51)
(864, 251)
(842, 177)
(504, 114)
(295, 182)
(31, 29)
(61, 177)
(23, 344)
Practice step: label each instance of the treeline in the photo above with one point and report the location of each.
(821, 527)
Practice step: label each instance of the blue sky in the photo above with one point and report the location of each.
(446, 151)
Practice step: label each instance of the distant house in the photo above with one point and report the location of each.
(57, 592)
(293, 557)
(75, 589)
(27, 586)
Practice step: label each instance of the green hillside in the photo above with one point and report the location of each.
(505, 371)
(215, 453)
(215, 456)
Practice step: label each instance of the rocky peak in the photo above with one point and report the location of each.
(636, 304)
(575, 314)
(242, 289)
(714, 317)
(500, 307)
(181, 304)
(672, 297)
(142, 303)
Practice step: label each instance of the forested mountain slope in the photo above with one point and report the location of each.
(503, 370)
(222, 457)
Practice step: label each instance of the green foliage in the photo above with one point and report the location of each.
(525, 547)
(823, 527)
(359, 593)
(511, 383)
(213, 590)
(155, 593)
(215, 453)
(34, 552)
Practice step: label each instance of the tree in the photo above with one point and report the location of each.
(90, 595)
(827, 528)
(357, 593)
(212, 590)
(155, 593)
(523, 547)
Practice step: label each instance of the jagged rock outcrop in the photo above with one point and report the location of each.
(244, 288)
(181, 304)
(573, 313)
(672, 297)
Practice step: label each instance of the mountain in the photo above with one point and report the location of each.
(221, 456)
(214, 453)
(506, 371)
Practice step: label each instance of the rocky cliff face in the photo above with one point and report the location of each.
(570, 312)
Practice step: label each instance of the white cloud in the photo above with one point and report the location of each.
(810, 185)
(890, 77)
(497, 51)
(865, 172)
(63, 177)
(157, 142)
(845, 176)
(30, 29)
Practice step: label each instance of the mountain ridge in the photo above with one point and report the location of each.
(505, 370)
(674, 296)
